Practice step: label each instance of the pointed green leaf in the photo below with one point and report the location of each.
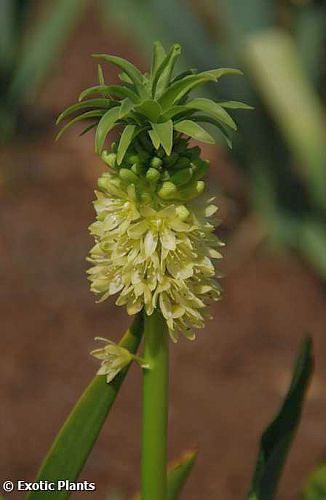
(181, 87)
(225, 132)
(194, 130)
(125, 107)
(235, 105)
(219, 72)
(109, 90)
(100, 75)
(165, 133)
(212, 108)
(188, 72)
(87, 129)
(128, 68)
(149, 108)
(75, 440)
(162, 76)
(125, 140)
(83, 116)
(278, 436)
(158, 56)
(178, 473)
(106, 123)
(316, 485)
(176, 110)
(154, 138)
(91, 103)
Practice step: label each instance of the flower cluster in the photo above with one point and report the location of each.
(154, 253)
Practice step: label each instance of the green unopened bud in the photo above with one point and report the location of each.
(168, 190)
(152, 175)
(146, 197)
(165, 175)
(102, 183)
(200, 168)
(109, 158)
(138, 169)
(132, 158)
(191, 191)
(128, 176)
(182, 176)
(156, 162)
(182, 212)
(106, 180)
(182, 162)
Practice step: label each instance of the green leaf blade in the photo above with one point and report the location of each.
(76, 438)
(106, 123)
(212, 108)
(154, 138)
(127, 67)
(163, 73)
(278, 436)
(316, 485)
(83, 116)
(125, 140)
(178, 474)
(91, 103)
(164, 131)
(194, 130)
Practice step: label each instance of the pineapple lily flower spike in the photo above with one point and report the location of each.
(154, 230)
(153, 246)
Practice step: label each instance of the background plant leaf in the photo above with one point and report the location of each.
(73, 444)
(278, 436)
(316, 485)
(178, 473)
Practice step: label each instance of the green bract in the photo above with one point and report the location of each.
(153, 105)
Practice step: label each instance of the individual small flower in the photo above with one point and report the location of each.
(114, 358)
(154, 253)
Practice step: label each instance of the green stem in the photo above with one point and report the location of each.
(155, 408)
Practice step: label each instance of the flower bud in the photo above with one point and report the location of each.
(131, 159)
(156, 162)
(182, 176)
(110, 159)
(182, 212)
(138, 169)
(191, 191)
(182, 162)
(152, 175)
(128, 176)
(200, 168)
(168, 190)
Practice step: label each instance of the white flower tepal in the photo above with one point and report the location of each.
(154, 254)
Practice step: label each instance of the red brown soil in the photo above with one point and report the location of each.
(225, 387)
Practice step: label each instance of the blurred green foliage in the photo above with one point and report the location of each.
(31, 38)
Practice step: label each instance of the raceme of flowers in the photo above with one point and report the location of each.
(154, 254)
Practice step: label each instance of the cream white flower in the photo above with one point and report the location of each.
(154, 254)
(114, 358)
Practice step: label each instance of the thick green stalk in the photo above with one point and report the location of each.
(155, 408)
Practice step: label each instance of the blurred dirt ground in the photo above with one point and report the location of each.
(225, 387)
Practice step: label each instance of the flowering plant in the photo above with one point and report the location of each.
(154, 249)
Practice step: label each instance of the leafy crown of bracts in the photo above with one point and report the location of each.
(156, 104)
